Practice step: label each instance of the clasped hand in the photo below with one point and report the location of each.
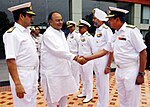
(81, 60)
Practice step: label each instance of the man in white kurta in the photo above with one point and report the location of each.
(56, 77)
(102, 35)
(22, 58)
(73, 39)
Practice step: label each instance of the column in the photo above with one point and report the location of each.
(75, 10)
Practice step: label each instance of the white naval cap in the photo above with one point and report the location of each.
(25, 7)
(83, 23)
(70, 23)
(113, 11)
(99, 14)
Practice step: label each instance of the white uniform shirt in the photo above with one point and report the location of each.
(85, 44)
(35, 40)
(55, 54)
(103, 34)
(73, 42)
(20, 46)
(39, 43)
(126, 43)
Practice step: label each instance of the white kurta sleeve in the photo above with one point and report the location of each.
(55, 48)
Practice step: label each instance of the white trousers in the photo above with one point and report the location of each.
(87, 79)
(75, 67)
(62, 102)
(29, 82)
(102, 81)
(102, 86)
(128, 91)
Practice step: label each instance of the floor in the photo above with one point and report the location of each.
(6, 96)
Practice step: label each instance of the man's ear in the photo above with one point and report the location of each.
(21, 16)
(49, 21)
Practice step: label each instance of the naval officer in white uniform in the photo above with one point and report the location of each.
(73, 39)
(85, 49)
(129, 55)
(21, 57)
(102, 35)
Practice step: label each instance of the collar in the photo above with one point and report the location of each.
(123, 28)
(54, 30)
(101, 27)
(85, 33)
(20, 27)
(72, 32)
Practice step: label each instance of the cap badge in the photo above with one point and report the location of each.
(93, 11)
(30, 7)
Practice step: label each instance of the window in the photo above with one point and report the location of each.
(145, 14)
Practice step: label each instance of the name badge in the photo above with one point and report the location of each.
(72, 37)
(121, 38)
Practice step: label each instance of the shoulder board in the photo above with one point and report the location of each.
(10, 29)
(76, 32)
(105, 26)
(88, 34)
(131, 26)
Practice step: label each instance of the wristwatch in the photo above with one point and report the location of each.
(141, 73)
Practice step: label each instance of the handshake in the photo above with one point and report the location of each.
(81, 59)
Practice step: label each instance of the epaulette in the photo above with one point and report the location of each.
(87, 33)
(131, 26)
(105, 26)
(76, 32)
(10, 29)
